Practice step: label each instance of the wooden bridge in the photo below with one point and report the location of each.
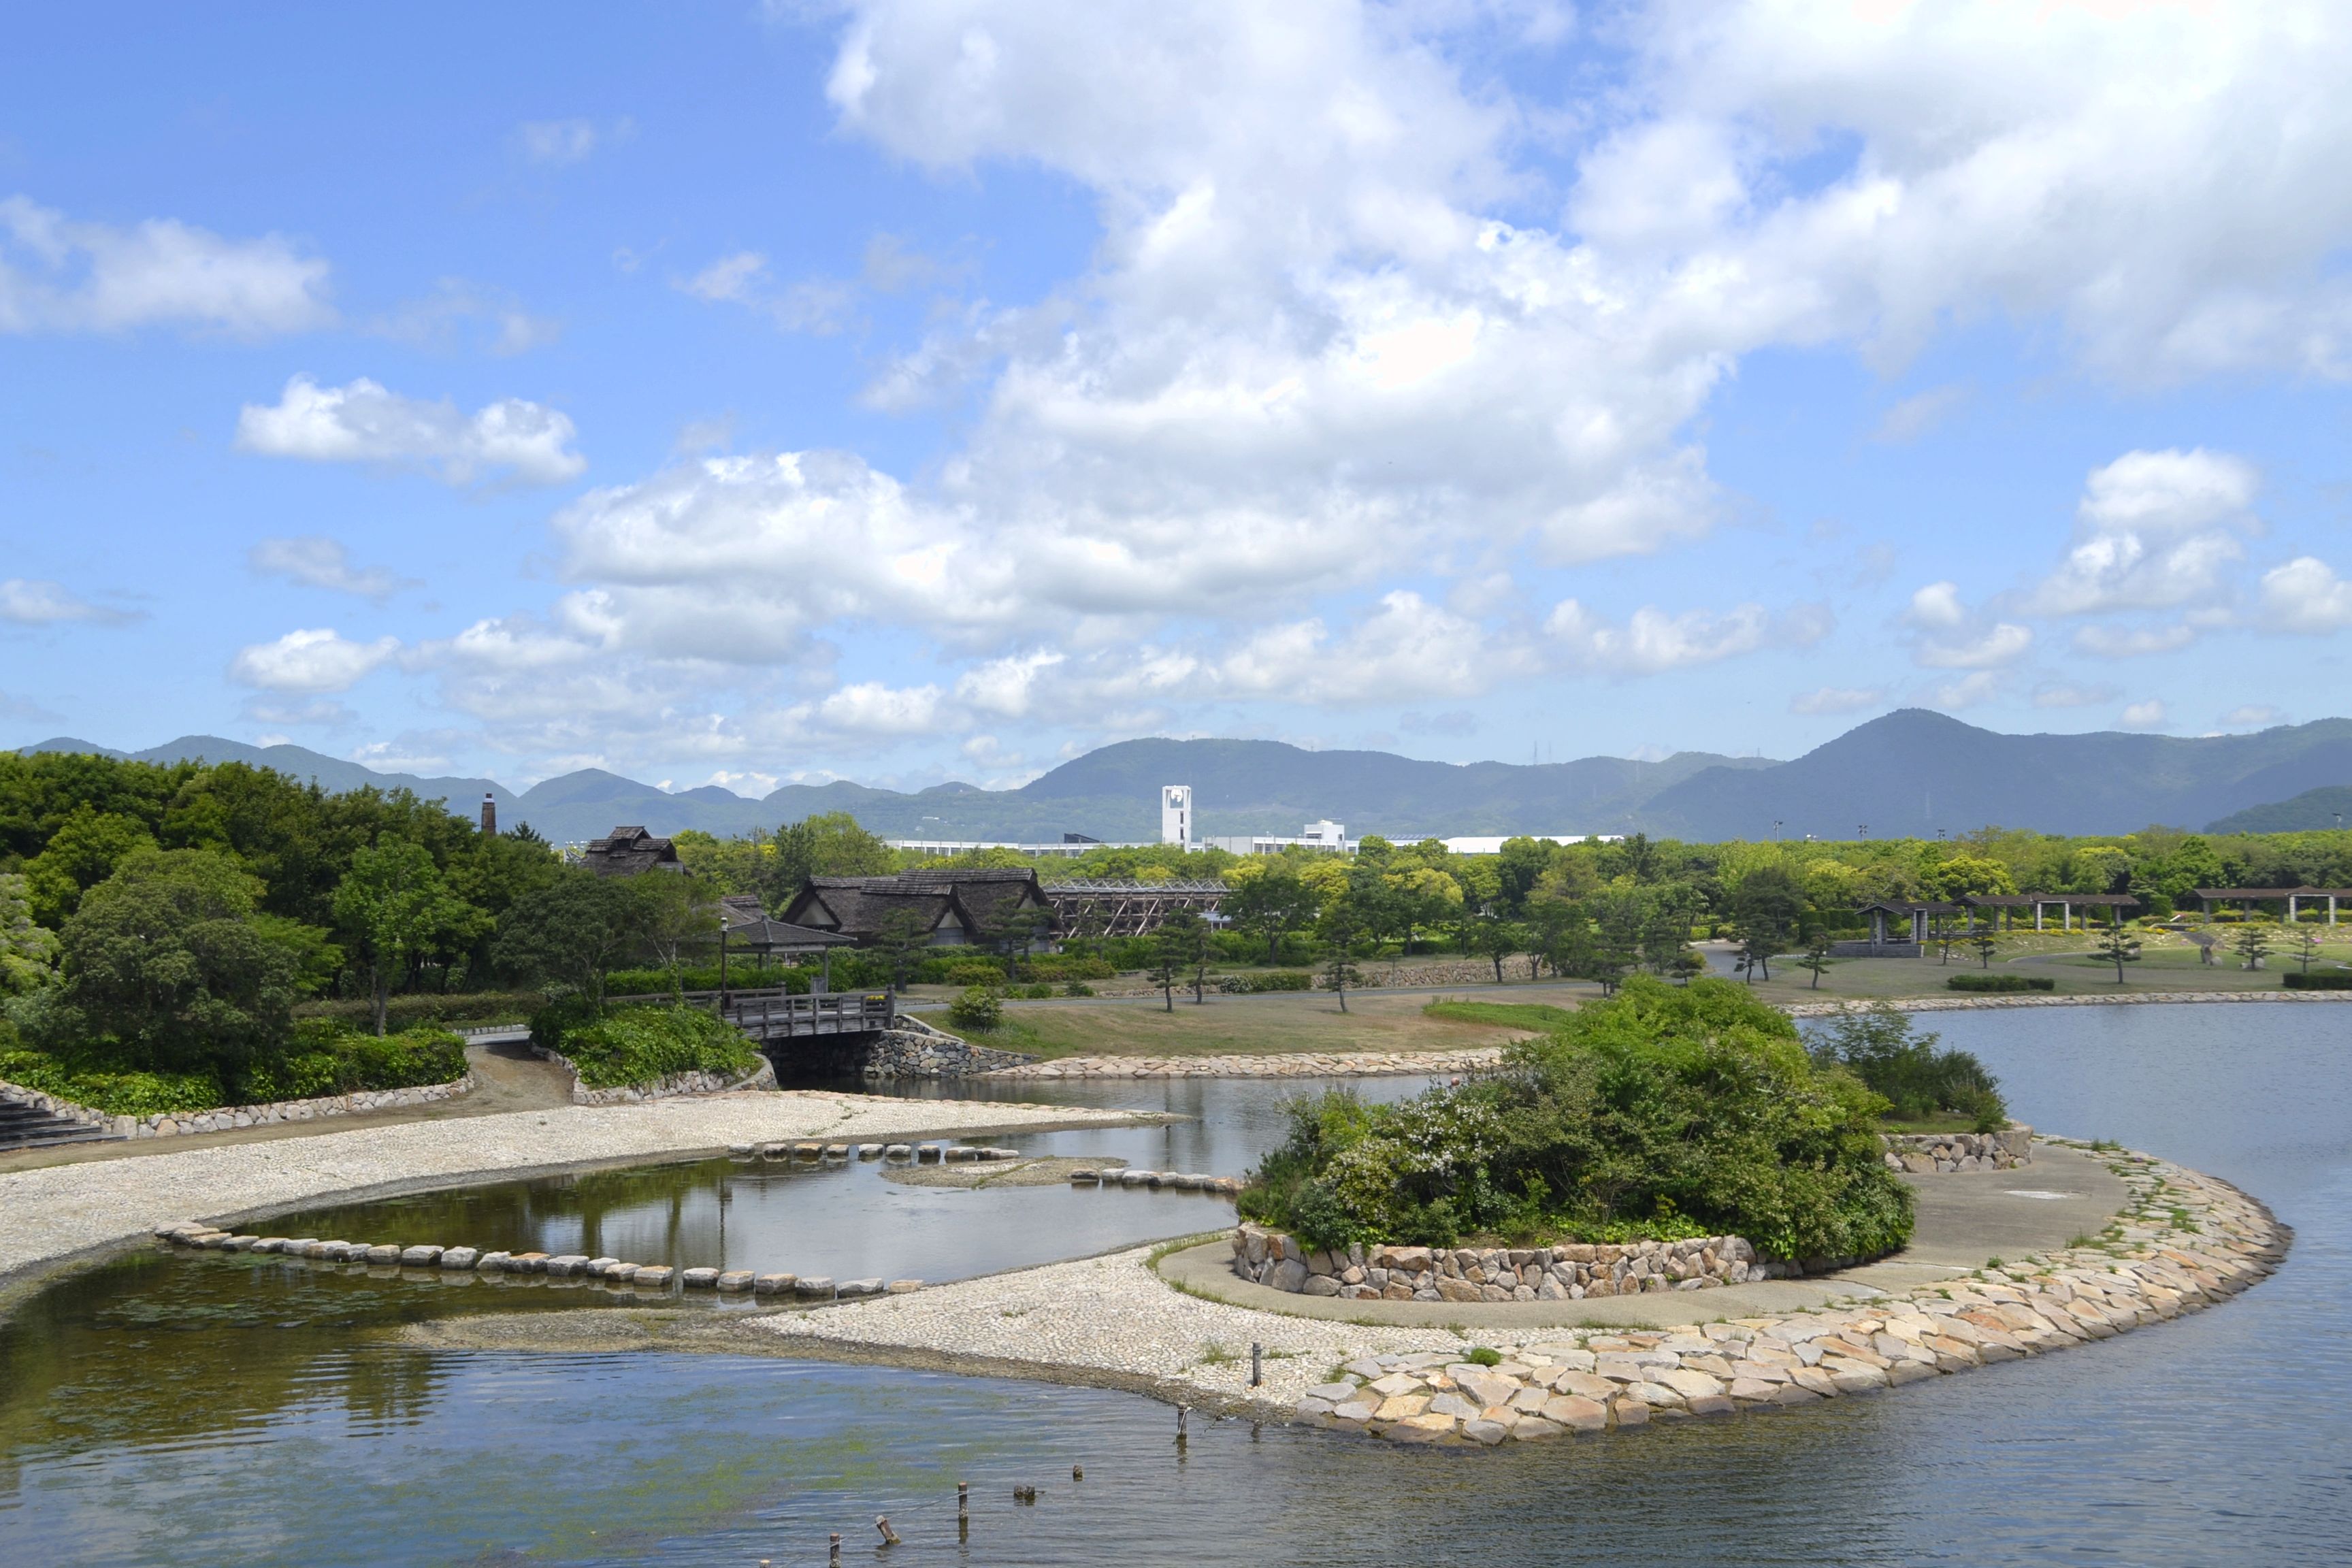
(1126, 909)
(767, 1015)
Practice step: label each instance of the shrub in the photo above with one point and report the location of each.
(1268, 980)
(1664, 1108)
(1069, 966)
(426, 1008)
(977, 1008)
(637, 1046)
(2319, 980)
(1878, 1045)
(1077, 988)
(1982, 982)
(973, 971)
(322, 1060)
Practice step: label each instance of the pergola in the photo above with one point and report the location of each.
(2246, 898)
(1917, 913)
(2008, 904)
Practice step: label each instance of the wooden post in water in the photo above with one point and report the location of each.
(1077, 1472)
(1257, 1363)
(1180, 1413)
(882, 1523)
(963, 1511)
(834, 1558)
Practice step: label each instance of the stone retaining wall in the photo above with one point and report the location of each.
(915, 1049)
(761, 1077)
(1571, 1273)
(1924, 1153)
(223, 1118)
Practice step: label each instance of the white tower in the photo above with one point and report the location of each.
(1175, 813)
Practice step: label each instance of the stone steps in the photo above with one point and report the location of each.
(28, 1127)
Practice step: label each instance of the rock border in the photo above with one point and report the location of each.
(669, 1087)
(1923, 1152)
(223, 1118)
(2182, 1242)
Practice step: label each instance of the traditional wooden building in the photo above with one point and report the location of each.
(629, 852)
(995, 909)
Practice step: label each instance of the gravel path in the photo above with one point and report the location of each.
(53, 1213)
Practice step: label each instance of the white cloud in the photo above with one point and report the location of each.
(59, 275)
(2305, 596)
(2253, 716)
(310, 661)
(1405, 648)
(557, 141)
(1837, 700)
(1967, 691)
(37, 602)
(2148, 715)
(362, 422)
(2155, 532)
(817, 305)
(1948, 635)
(1652, 640)
(319, 563)
(872, 708)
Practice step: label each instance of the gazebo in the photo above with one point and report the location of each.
(743, 923)
(1881, 916)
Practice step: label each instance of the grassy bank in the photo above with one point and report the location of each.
(1235, 1026)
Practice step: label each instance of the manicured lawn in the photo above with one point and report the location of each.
(1239, 1025)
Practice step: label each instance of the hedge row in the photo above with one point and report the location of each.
(323, 1059)
(1982, 982)
(2319, 980)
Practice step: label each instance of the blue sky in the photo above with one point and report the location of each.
(909, 390)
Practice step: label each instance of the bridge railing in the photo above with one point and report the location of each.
(770, 1014)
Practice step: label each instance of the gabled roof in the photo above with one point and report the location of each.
(627, 851)
(979, 902)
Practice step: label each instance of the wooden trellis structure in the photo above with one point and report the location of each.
(1126, 909)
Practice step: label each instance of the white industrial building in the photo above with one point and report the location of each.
(1176, 814)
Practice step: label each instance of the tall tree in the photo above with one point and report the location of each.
(395, 907)
(28, 953)
(164, 958)
(900, 937)
(830, 844)
(1271, 901)
(573, 931)
(1341, 927)
(2119, 947)
(2251, 944)
(676, 912)
(1179, 942)
(1766, 909)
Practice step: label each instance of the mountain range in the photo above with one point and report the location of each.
(1910, 773)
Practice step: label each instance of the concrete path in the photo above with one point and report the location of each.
(60, 1212)
(1965, 1219)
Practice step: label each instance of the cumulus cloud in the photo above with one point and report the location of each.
(2305, 596)
(2148, 715)
(2154, 531)
(1652, 640)
(820, 305)
(62, 275)
(316, 562)
(1967, 691)
(2253, 716)
(364, 423)
(1946, 634)
(310, 661)
(38, 601)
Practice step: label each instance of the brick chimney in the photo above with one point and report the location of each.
(490, 815)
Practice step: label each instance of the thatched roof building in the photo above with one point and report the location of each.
(629, 851)
(946, 909)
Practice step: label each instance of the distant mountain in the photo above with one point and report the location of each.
(1906, 774)
(2312, 810)
(1913, 772)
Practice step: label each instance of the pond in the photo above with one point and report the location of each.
(166, 1410)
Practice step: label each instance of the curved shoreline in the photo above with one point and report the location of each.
(59, 1217)
(1114, 1322)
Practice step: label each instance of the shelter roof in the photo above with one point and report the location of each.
(628, 850)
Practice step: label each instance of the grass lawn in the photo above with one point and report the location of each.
(1241, 1026)
(2166, 963)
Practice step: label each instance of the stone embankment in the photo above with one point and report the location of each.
(915, 1049)
(1985, 1004)
(177, 1123)
(669, 1087)
(611, 1272)
(1570, 1273)
(2185, 1241)
(1319, 1064)
(1923, 1152)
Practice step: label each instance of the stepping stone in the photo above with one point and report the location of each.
(1086, 1178)
(775, 1284)
(699, 1278)
(814, 1289)
(419, 1256)
(869, 1151)
(568, 1266)
(460, 1257)
(905, 1286)
(597, 1268)
(854, 1287)
(654, 1274)
(899, 1151)
(493, 1262)
(735, 1280)
(385, 1254)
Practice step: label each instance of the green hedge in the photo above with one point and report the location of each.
(1250, 984)
(743, 973)
(1983, 981)
(2319, 980)
(638, 1045)
(321, 1061)
(427, 1007)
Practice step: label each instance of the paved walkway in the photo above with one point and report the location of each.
(59, 1212)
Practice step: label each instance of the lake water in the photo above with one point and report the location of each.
(168, 1410)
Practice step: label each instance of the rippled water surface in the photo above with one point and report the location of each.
(176, 1411)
